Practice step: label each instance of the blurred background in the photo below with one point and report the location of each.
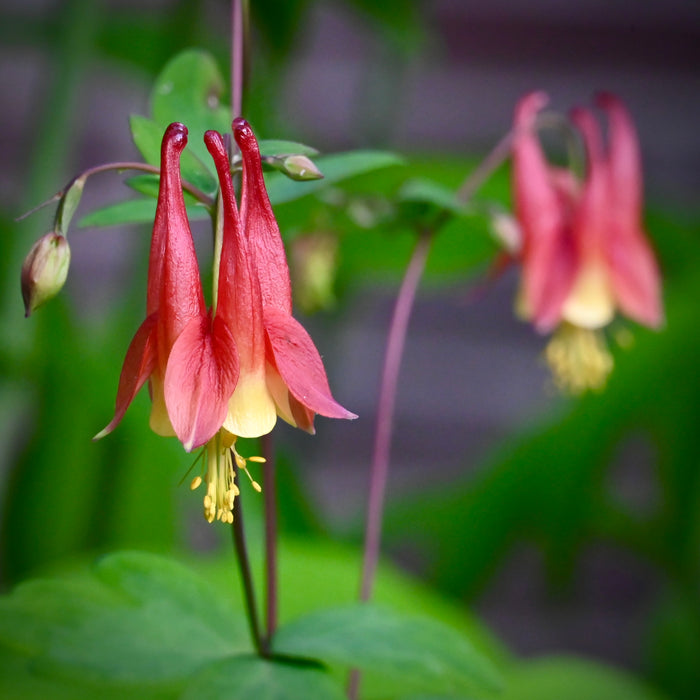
(568, 525)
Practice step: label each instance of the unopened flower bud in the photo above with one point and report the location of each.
(313, 266)
(299, 167)
(44, 270)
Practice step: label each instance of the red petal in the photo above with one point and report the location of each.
(300, 366)
(138, 366)
(239, 302)
(200, 378)
(548, 259)
(260, 225)
(174, 287)
(634, 272)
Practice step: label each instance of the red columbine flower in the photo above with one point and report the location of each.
(188, 355)
(281, 372)
(584, 253)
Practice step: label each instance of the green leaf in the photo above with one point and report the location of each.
(277, 147)
(415, 650)
(246, 677)
(335, 168)
(572, 678)
(188, 90)
(140, 619)
(148, 135)
(133, 211)
(424, 191)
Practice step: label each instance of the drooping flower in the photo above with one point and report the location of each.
(584, 253)
(188, 355)
(281, 371)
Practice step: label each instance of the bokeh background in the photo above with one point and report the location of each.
(568, 525)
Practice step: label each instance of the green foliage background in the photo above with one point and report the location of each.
(66, 499)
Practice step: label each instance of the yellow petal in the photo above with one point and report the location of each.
(591, 303)
(251, 410)
(159, 420)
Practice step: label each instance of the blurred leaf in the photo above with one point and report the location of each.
(189, 90)
(245, 677)
(335, 168)
(142, 619)
(413, 649)
(277, 147)
(558, 677)
(424, 191)
(672, 645)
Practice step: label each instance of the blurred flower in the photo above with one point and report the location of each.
(281, 372)
(584, 253)
(188, 355)
(44, 270)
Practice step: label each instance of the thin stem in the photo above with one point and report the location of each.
(238, 42)
(385, 419)
(145, 167)
(385, 410)
(270, 499)
(499, 153)
(238, 532)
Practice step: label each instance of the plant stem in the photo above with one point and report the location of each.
(239, 14)
(270, 499)
(384, 424)
(385, 410)
(238, 532)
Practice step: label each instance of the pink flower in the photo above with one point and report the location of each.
(188, 355)
(281, 372)
(584, 252)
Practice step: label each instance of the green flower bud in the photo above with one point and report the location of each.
(44, 270)
(299, 167)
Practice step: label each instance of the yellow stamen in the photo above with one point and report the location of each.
(579, 359)
(220, 455)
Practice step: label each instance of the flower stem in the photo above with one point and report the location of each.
(238, 532)
(385, 410)
(239, 20)
(384, 424)
(270, 498)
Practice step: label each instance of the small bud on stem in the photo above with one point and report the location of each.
(44, 270)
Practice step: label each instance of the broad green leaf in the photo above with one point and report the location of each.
(415, 650)
(246, 677)
(148, 135)
(141, 619)
(278, 147)
(335, 168)
(424, 191)
(133, 211)
(558, 677)
(189, 90)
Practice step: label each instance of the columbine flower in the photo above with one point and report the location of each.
(188, 355)
(584, 253)
(44, 270)
(281, 372)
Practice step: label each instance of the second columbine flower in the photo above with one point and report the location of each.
(584, 253)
